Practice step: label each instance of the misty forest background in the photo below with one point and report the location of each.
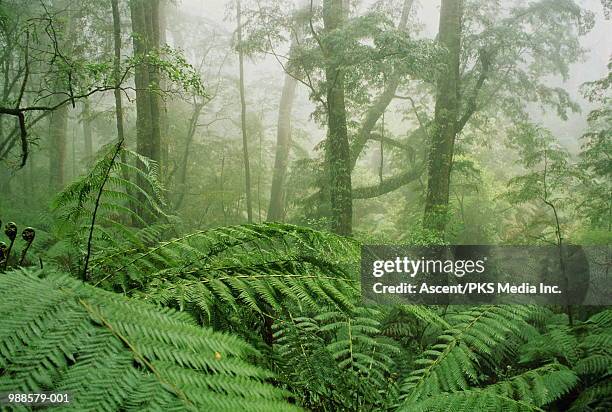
(185, 186)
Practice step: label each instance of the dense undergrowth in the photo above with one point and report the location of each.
(262, 317)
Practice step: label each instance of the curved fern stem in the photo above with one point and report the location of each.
(97, 205)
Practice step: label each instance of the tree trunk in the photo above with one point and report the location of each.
(193, 125)
(276, 209)
(58, 120)
(163, 109)
(445, 119)
(337, 152)
(87, 133)
(145, 78)
(116, 69)
(153, 36)
(58, 125)
(245, 148)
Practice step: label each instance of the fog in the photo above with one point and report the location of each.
(220, 15)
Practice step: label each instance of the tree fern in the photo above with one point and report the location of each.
(111, 353)
(451, 363)
(340, 360)
(529, 391)
(263, 266)
(595, 364)
(129, 195)
(357, 343)
(585, 348)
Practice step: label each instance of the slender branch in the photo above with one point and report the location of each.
(471, 105)
(416, 113)
(312, 29)
(19, 112)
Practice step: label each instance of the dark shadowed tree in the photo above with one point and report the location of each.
(337, 153)
(445, 120)
(145, 29)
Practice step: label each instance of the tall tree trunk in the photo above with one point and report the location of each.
(193, 125)
(144, 27)
(58, 125)
(276, 209)
(337, 152)
(145, 30)
(153, 36)
(116, 69)
(245, 148)
(58, 119)
(141, 79)
(163, 109)
(445, 119)
(87, 133)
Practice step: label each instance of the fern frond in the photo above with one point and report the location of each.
(264, 266)
(450, 364)
(597, 397)
(129, 194)
(358, 344)
(470, 401)
(111, 353)
(529, 391)
(558, 343)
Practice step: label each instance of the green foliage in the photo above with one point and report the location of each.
(121, 198)
(583, 347)
(173, 65)
(112, 353)
(370, 47)
(265, 267)
(339, 361)
(547, 184)
(131, 195)
(203, 312)
(525, 392)
(595, 163)
(477, 336)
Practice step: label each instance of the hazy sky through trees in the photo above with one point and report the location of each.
(426, 13)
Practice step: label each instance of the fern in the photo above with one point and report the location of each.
(111, 353)
(451, 363)
(339, 360)
(583, 347)
(129, 195)
(261, 266)
(529, 391)
(358, 344)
